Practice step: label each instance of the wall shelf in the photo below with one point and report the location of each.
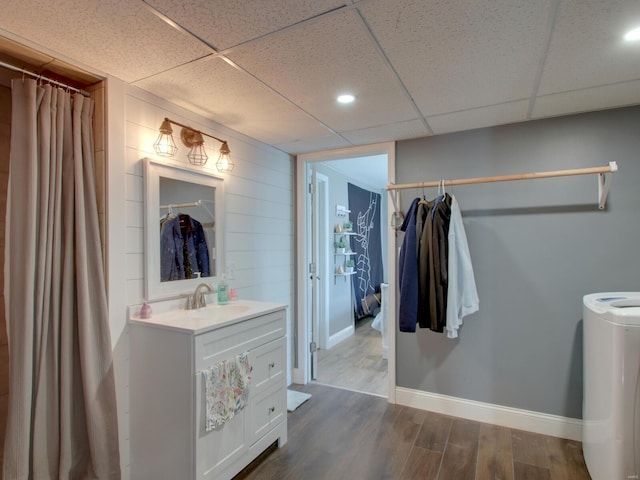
(343, 275)
(341, 258)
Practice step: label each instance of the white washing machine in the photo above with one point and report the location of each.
(611, 408)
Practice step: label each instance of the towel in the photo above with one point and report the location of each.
(226, 390)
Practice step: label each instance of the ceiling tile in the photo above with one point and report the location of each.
(312, 64)
(480, 117)
(119, 37)
(224, 24)
(587, 47)
(588, 99)
(214, 89)
(316, 144)
(458, 54)
(387, 132)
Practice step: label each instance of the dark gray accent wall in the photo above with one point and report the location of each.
(537, 246)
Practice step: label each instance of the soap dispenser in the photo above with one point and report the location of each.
(223, 291)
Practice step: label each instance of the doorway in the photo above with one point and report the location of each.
(340, 342)
(30, 61)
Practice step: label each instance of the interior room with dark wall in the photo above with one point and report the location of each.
(537, 248)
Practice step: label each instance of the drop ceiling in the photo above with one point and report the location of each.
(272, 69)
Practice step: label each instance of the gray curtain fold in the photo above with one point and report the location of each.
(62, 419)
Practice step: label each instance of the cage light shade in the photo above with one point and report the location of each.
(164, 144)
(224, 163)
(197, 155)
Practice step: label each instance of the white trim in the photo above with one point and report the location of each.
(342, 335)
(392, 272)
(543, 423)
(114, 91)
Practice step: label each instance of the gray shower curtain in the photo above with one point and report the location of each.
(62, 420)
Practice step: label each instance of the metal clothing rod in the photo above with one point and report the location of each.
(508, 178)
(181, 205)
(197, 203)
(46, 79)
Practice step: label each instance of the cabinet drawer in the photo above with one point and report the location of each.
(224, 343)
(269, 410)
(268, 363)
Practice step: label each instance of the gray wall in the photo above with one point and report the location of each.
(537, 247)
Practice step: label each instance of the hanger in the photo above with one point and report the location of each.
(167, 215)
(423, 201)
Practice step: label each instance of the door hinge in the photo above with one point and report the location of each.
(313, 347)
(312, 267)
(312, 188)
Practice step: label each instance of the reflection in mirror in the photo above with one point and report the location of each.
(183, 228)
(187, 230)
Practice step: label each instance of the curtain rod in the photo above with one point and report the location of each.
(46, 79)
(507, 178)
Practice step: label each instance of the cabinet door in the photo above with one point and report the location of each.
(218, 448)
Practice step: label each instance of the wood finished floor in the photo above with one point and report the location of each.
(340, 434)
(356, 363)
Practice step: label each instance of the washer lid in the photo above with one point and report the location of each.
(616, 307)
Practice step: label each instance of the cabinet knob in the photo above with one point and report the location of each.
(272, 364)
(272, 409)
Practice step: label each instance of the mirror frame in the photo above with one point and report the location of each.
(153, 171)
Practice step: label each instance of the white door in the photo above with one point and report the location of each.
(314, 278)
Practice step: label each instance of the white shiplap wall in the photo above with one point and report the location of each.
(259, 209)
(259, 202)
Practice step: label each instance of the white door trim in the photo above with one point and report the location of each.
(301, 371)
(323, 267)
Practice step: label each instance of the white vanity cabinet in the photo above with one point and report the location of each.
(167, 411)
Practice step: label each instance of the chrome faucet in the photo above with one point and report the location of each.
(197, 300)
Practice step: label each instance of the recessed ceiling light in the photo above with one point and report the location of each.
(346, 98)
(633, 35)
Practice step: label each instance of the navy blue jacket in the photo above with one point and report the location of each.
(408, 272)
(183, 249)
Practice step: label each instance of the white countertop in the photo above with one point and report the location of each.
(205, 319)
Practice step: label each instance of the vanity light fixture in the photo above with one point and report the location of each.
(191, 138)
(164, 145)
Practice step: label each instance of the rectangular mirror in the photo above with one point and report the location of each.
(184, 229)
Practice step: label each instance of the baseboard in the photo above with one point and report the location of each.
(336, 338)
(536, 422)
